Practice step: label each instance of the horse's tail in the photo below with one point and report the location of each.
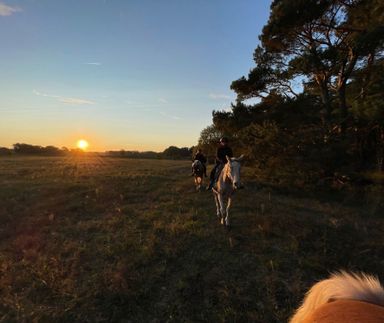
(341, 285)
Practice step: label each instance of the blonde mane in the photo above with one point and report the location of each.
(340, 286)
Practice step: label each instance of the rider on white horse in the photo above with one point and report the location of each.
(221, 159)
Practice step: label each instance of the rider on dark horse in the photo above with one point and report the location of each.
(200, 157)
(221, 159)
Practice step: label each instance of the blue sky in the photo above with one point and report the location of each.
(132, 74)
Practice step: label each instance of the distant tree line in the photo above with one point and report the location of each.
(27, 149)
(171, 152)
(313, 105)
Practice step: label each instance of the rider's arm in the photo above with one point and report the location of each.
(218, 158)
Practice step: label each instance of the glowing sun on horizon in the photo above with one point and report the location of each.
(82, 144)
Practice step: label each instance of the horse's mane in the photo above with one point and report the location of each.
(341, 285)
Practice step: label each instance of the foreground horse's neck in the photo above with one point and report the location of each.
(224, 183)
(226, 170)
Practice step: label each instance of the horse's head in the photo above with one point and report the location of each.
(233, 171)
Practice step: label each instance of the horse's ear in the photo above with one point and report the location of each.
(229, 159)
(240, 158)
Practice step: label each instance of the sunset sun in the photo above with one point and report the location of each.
(82, 144)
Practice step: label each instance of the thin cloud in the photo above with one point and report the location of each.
(162, 100)
(66, 100)
(93, 63)
(6, 10)
(169, 116)
(219, 96)
(75, 101)
(45, 94)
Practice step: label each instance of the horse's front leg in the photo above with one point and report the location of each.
(222, 208)
(227, 211)
(217, 205)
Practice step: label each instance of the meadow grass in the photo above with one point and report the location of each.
(92, 239)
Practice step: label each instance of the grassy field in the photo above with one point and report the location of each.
(91, 239)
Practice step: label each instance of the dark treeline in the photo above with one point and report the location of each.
(313, 106)
(171, 152)
(26, 149)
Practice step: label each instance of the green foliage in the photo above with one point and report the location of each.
(27, 149)
(323, 42)
(287, 17)
(208, 141)
(173, 152)
(134, 154)
(5, 151)
(261, 143)
(333, 125)
(367, 93)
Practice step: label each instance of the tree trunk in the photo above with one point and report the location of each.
(326, 101)
(342, 101)
(322, 82)
(346, 70)
(380, 149)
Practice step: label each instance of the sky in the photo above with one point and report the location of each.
(122, 74)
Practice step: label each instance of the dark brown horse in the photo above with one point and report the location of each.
(198, 174)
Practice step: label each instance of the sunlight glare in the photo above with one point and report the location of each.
(82, 144)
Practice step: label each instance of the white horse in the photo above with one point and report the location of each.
(344, 297)
(228, 182)
(198, 173)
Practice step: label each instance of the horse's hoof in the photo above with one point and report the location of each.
(222, 221)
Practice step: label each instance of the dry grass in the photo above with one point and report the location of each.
(92, 239)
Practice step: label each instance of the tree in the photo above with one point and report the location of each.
(208, 140)
(319, 41)
(20, 148)
(174, 152)
(5, 151)
(317, 90)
